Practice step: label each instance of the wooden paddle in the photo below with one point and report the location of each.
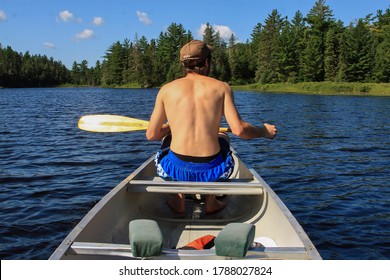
(114, 123)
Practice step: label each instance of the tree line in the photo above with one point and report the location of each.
(311, 48)
(26, 70)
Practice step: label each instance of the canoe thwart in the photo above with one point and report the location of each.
(158, 185)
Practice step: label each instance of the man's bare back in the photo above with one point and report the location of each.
(194, 107)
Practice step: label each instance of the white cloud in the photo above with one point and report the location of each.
(3, 16)
(224, 31)
(48, 45)
(84, 35)
(98, 21)
(66, 16)
(143, 17)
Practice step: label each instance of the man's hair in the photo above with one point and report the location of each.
(197, 67)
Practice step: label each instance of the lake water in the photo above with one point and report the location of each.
(329, 164)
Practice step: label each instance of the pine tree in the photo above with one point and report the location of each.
(145, 64)
(381, 32)
(115, 57)
(268, 48)
(320, 19)
(382, 58)
(358, 56)
(96, 74)
(313, 60)
(127, 48)
(331, 56)
(285, 55)
(298, 32)
(154, 75)
(85, 76)
(209, 35)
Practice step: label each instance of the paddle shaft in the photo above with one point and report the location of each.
(114, 123)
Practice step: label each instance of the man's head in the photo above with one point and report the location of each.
(195, 56)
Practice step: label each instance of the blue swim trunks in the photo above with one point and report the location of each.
(172, 166)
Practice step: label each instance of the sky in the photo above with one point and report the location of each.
(74, 30)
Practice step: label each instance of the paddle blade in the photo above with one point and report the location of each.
(111, 123)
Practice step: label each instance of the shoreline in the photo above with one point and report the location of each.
(321, 88)
(315, 88)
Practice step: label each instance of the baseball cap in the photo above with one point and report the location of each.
(195, 51)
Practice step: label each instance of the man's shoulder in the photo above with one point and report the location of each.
(182, 82)
(168, 85)
(173, 83)
(221, 85)
(216, 82)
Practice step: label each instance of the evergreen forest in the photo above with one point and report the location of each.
(307, 48)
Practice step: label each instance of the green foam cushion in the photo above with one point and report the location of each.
(234, 240)
(146, 239)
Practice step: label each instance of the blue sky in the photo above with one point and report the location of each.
(73, 30)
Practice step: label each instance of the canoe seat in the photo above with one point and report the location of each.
(146, 239)
(234, 240)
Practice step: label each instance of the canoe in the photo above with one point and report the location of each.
(255, 224)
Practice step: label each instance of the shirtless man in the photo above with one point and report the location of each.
(194, 106)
